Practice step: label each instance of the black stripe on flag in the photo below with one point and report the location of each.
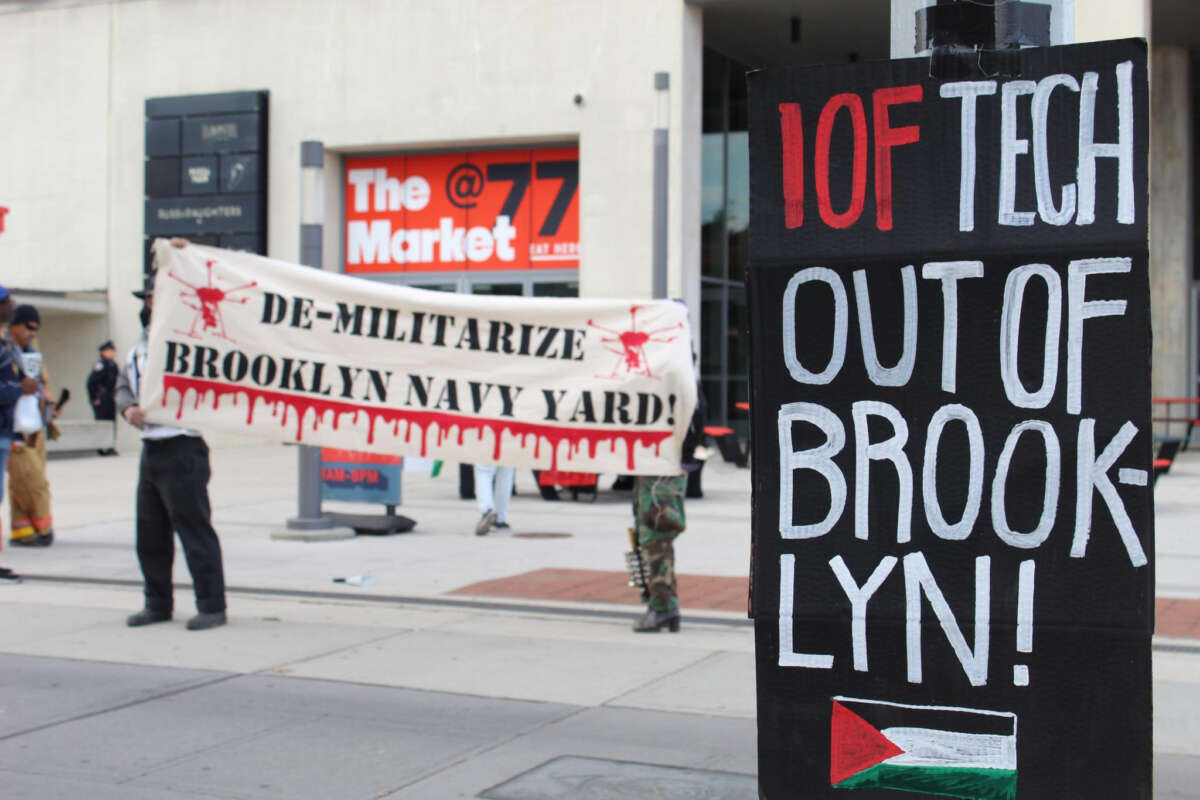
(964, 721)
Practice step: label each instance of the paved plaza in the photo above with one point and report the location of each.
(471, 667)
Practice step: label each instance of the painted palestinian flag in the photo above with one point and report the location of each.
(939, 750)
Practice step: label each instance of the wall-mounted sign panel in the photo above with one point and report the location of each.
(483, 210)
(213, 215)
(222, 134)
(206, 176)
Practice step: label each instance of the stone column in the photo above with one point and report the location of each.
(1171, 216)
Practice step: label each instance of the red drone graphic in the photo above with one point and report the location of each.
(632, 353)
(209, 298)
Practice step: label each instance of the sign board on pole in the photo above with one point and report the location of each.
(953, 523)
(358, 477)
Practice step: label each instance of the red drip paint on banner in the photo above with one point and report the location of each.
(300, 406)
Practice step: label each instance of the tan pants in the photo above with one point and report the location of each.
(29, 491)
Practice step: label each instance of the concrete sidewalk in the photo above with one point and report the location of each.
(359, 699)
(434, 682)
(253, 492)
(303, 699)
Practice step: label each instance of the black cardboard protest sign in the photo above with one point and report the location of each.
(953, 557)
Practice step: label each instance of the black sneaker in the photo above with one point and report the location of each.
(502, 526)
(147, 616)
(205, 620)
(485, 523)
(7, 574)
(37, 540)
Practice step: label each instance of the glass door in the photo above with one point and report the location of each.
(498, 288)
(526, 283)
(556, 289)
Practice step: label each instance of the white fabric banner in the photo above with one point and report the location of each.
(239, 343)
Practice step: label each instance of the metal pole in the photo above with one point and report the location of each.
(659, 261)
(312, 162)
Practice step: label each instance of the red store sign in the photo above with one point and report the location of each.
(480, 210)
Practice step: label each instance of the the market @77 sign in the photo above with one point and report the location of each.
(473, 210)
(245, 344)
(953, 525)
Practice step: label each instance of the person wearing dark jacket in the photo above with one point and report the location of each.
(102, 388)
(28, 487)
(13, 384)
(172, 497)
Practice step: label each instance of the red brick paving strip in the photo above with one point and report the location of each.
(1175, 617)
(709, 592)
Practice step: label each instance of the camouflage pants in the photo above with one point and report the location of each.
(658, 517)
(29, 491)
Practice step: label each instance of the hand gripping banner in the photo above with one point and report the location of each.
(243, 344)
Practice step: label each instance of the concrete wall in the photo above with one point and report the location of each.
(69, 341)
(358, 75)
(54, 175)
(1171, 218)
(1097, 20)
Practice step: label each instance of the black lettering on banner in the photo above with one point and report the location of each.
(377, 389)
(205, 365)
(553, 397)
(263, 370)
(479, 394)
(177, 358)
(951, 422)
(508, 398)
(291, 374)
(302, 309)
(349, 319)
(234, 366)
(349, 377)
(440, 322)
(548, 335)
(419, 388)
(274, 308)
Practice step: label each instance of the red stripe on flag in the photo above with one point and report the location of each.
(855, 745)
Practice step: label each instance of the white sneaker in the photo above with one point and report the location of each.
(485, 523)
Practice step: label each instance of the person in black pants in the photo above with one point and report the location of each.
(172, 497)
(101, 388)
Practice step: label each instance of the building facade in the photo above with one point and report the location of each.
(557, 102)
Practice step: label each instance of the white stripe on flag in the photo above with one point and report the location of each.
(926, 747)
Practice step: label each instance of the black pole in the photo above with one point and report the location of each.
(980, 37)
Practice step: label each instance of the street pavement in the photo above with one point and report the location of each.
(495, 667)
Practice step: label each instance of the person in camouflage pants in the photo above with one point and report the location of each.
(658, 517)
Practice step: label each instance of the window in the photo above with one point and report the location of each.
(724, 241)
